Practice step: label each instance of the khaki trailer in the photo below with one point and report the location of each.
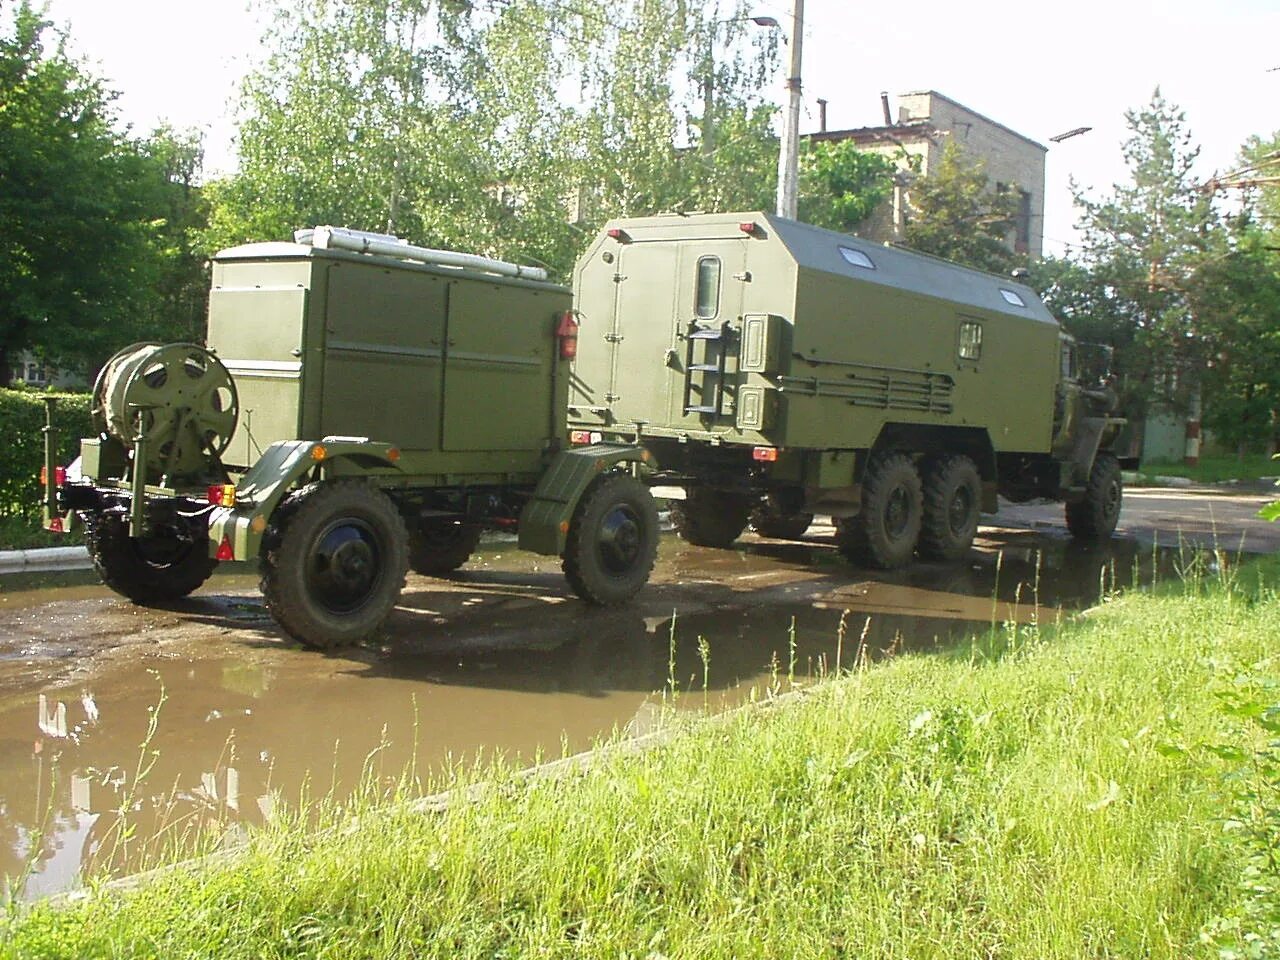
(777, 370)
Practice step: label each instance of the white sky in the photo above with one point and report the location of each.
(1039, 68)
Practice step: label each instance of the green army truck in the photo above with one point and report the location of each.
(362, 407)
(777, 370)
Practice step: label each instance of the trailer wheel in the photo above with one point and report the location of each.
(613, 540)
(1095, 516)
(334, 562)
(885, 531)
(439, 547)
(146, 569)
(952, 501)
(710, 518)
(770, 519)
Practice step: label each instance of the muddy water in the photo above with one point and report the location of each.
(500, 661)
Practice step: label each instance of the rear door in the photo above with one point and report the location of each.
(709, 296)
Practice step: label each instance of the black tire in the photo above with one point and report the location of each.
(770, 520)
(439, 547)
(146, 569)
(1095, 517)
(885, 531)
(613, 540)
(952, 490)
(334, 562)
(710, 518)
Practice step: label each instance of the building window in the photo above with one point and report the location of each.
(1022, 224)
(857, 258)
(707, 295)
(970, 340)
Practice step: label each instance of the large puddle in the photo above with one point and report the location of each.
(499, 662)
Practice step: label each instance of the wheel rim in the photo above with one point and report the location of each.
(960, 510)
(1111, 500)
(620, 541)
(345, 566)
(897, 513)
(161, 552)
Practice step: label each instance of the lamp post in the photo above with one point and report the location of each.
(789, 152)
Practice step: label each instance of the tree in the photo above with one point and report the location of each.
(954, 214)
(1144, 245)
(840, 185)
(77, 208)
(444, 122)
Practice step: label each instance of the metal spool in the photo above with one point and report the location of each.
(180, 396)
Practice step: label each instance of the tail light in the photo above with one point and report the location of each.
(585, 436)
(764, 454)
(222, 494)
(59, 476)
(567, 334)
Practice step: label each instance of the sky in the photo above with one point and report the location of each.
(1039, 68)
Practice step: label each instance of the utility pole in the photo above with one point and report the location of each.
(789, 154)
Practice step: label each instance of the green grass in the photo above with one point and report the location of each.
(1216, 469)
(1036, 795)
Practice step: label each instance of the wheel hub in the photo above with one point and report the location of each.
(959, 511)
(897, 512)
(620, 539)
(345, 566)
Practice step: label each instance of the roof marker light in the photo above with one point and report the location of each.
(750, 227)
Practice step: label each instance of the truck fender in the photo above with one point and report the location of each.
(265, 484)
(1092, 434)
(544, 521)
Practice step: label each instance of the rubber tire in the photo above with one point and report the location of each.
(298, 524)
(1095, 517)
(586, 562)
(439, 547)
(710, 518)
(768, 521)
(945, 480)
(121, 562)
(867, 538)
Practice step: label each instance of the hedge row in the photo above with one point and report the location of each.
(22, 416)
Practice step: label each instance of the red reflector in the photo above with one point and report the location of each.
(55, 524)
(60, 475)
(214, 494)
(749, 227)
(767, 454)
(224, 549)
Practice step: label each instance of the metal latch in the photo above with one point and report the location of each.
(614, 337)
(619, 277)
(611, 397)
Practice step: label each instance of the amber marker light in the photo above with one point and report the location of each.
(394, 454)
(318, 452)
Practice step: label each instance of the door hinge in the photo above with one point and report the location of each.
(611, 397)
(744, 276)
(619, 277)
(614, 338)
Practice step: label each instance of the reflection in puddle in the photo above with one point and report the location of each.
(500, 664)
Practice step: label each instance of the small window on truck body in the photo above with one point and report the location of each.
(857, 258)
(707, 292)
(970, 347)
(1012, 298)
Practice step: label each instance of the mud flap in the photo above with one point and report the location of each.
(544, 521)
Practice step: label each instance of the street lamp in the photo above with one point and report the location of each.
(789, 152)
(1069, 134)
(708, 83)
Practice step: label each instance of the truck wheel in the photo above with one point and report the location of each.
(334, 562)
(710, 518)
(1095, 516)
(438, 547)
(769, 520)
(146, 569)
(613, 540)
(952, 501)
(884, 532)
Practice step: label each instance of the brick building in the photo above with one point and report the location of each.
(926, 121)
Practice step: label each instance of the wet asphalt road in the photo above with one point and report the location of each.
(500, 660)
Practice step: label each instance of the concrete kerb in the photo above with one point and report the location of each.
(45, 559)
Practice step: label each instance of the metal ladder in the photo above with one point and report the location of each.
(715, 352)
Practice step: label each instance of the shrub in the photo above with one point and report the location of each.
(22, 417)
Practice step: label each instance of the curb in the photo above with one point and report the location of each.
(44, 559)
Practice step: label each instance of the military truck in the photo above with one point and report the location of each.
(363, 406)
(777, 370)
